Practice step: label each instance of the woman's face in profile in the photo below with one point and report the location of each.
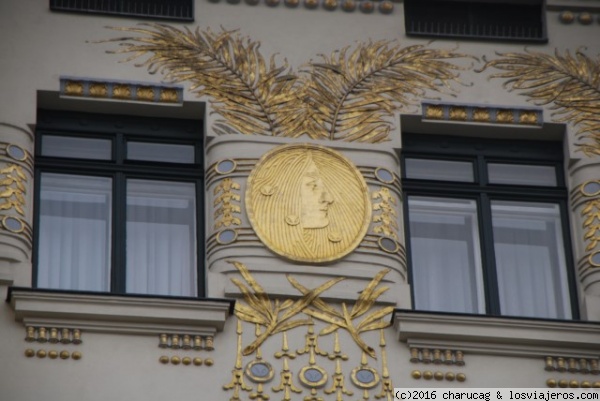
(315, 199)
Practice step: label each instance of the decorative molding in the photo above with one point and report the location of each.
(479, 114)
(348, 96)
(227, 196)
(269, 318)
(572, 365)
(564, 383)
(439, 376)
(437, 356)
(53, 335)
(498, 335)
(185, 361)
(366, 6)
(118, 314)
(53, 354)
(308, 203)
(186, 342)
(587, 196)
(119, 90)
(385, 221)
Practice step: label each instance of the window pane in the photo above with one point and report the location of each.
(160, 152)
(445, 251)
(74, 232)
(443, 170)
(522, 174)
(530, 260)
(78, 148)
(161, 238)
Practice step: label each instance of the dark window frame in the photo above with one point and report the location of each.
(128, 8)
(119, 129)
(482, 151)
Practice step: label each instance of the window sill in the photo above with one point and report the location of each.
(497, 335)
(110, 313)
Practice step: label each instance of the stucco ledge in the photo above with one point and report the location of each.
(498, 335)
(109, 313)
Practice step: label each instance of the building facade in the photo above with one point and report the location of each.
(298, 200)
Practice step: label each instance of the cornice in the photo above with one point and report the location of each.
(498, 335)
(117, 313)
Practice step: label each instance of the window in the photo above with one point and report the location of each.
(487, 227)
(517, 20)
(179, 10)
(118, 204)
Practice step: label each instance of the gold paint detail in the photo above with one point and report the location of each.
(12, 188)
(121, 91)
(227, 199)
(163, 359)
(64, 354)
(386, 220)
(279, 316)
(461, 377)
(42, 354)
(74, 88)
(437, 356)
(348, 96)
(566, 82)
(572, 365)
(186, 361)
(209, 362)
(528, 118)
(416, 374)
(29, 353)
(186, 342)
(168, 96)
(197, 361)
(505, 117)
(458, 113)
(76, 355)
(481, 115)
(591, 221)
(53, 335)
(428, 375)
(434, 112)
(98, 89)
(145, 93)
(320, 209)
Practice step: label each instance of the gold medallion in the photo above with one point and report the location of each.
(308, 203)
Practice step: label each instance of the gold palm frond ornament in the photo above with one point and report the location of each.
(348, 96)
(253, 96)
(353, 93)
(569, 83)
(274, 316)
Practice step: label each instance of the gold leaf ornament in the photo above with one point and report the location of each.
(253, 95)
(347, 96)
(273, 316)
(569, 83)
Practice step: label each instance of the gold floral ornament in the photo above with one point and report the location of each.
(345, 319)
(570, 84)
(308, 203)
(275, 317)
(12, 188)
(347, 96)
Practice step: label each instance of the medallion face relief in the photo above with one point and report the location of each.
(308, 203)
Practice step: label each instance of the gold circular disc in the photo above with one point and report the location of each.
(318, 207)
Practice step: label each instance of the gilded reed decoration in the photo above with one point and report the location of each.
(591, 222)
(569, 83)
(386, 218)
(12, 188)
(270, 317)
(227, 196)
(348, 95)
(308, 203)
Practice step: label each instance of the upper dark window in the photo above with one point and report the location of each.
(179, 10)
(119, 204)
(517, 20)
(487, 227)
